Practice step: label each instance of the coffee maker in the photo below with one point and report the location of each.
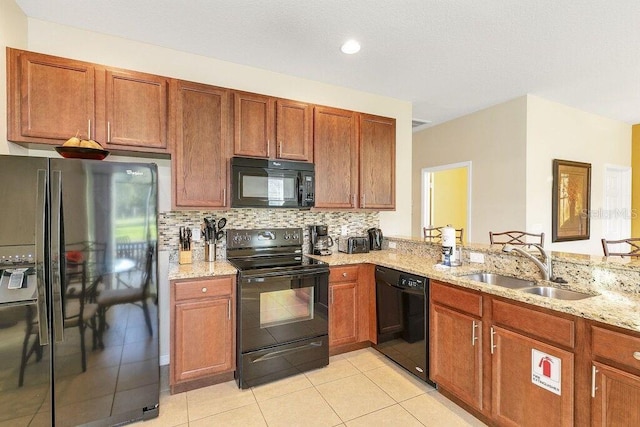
(319, 240)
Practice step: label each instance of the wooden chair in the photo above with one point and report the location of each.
(515, 238)
(133, 295)
(434, 234)
(634, 247)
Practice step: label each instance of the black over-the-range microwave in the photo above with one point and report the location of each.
(268, 183)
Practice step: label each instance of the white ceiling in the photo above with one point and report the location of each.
(448, 57)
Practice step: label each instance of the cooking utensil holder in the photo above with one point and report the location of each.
(210, 251)
(184, 257)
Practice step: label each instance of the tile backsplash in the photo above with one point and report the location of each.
(356, 223)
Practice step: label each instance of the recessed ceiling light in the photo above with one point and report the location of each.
(350, 47)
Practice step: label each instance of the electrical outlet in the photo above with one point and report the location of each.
(195, 234)
(476, 257)
(392, 245)
(344, 230)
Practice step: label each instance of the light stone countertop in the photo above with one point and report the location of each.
(613, 308)
(200, 269)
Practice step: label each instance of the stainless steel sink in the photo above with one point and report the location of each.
(500, 280)
(550, 292)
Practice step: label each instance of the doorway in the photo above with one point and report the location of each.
(446, 196)
(616, 208)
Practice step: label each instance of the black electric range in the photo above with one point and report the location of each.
(282, 305)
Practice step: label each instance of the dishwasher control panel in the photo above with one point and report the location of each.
(411, 282)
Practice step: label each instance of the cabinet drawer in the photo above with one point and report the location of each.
(460, 299)
(204, 288)
(615, 346)
(541, 325)
(343, 274)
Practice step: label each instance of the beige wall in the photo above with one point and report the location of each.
(635, 180)
(494, 141)
(78, 44)
(556, 131)
(13, 32)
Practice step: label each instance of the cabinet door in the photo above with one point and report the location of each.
(377, 162)
(343, 313)
(203, 338)
(253, 123)
(335, 154)
(200, 153)
(293, 130)
(456, 354)
(615, 398)
(516, 399)
(136, 110)
(50, 99)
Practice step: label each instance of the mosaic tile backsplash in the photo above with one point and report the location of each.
(356, 223)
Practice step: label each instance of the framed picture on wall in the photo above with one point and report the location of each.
(571, 200)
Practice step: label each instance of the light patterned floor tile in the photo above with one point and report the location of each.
(304, 408)
(215, 399)
(366, 359)
(354, 396)
(246, 416)
(339, 369)
(281, 387)
(393, 416)
(434, 409)
(399, 385)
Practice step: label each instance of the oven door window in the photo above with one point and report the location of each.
(281, 309)
(286, 306)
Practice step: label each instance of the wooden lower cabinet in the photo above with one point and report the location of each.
(351, 307)
(615, 378)
(518, 399)
(203, 329)
(456, 354)
(615, 398)
(343, 313)
(485, 350)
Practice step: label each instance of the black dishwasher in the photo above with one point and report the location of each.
(403, 319)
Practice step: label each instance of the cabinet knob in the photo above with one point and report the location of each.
(204, 290)
(344, 274)
(636, 355)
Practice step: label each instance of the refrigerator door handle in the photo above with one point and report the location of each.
(41, 302)
(57, 253)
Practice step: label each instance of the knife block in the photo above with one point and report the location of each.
(184, 257)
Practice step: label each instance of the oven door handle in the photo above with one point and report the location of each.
(279, 353)
(280, 274)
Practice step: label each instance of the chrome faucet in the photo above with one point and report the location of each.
(544, 266)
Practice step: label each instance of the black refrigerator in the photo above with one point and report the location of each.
(78, 292)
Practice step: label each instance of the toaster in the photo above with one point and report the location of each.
(353, 244)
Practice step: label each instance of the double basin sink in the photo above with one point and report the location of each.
(527, 286)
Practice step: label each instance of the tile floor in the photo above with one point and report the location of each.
(361, 388)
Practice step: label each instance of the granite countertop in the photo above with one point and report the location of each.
(614, 308)
(610, 307)
(200, 269)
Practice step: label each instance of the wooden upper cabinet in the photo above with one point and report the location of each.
(200, 153)
(50, 99)
(335, 153)
(294, 129)
(136, 109)
(254, 124)
(272, 128)
(377, 162)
